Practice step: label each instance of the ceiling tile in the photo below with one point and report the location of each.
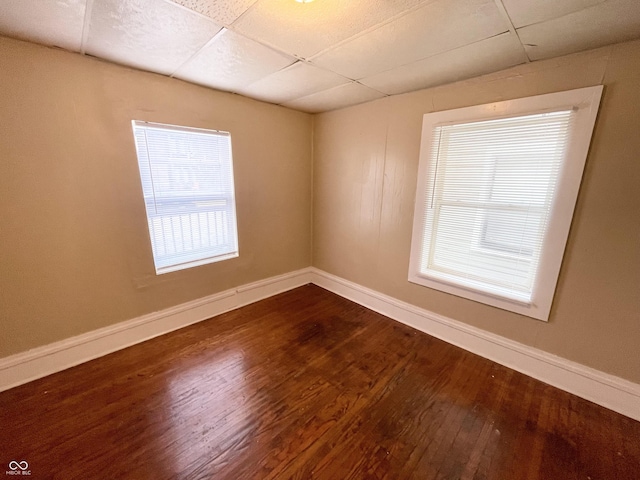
(231, 62)
(495, 53)
(337, 97)
(304, 29)
(434, 28)
(221, 11)
(51, 22)
(603, 24)
(526, 12)
(296, 81)
(147, 34)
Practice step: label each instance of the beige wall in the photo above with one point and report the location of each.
(75, 253)
(365, 166)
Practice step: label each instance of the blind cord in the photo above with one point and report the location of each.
(435, 174)
(153, 187)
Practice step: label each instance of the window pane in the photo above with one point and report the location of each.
(493, 184)
(187, 180)
(497, 185)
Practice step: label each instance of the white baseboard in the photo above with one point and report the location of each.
(606, 390)
(42, 361)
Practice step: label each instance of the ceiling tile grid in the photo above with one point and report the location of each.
(304, 29)
(602, 24)
(326, 54)
(436, 27)
(485, 56)
(231, 61)
(338, 97)
(526, 12)
(298, 80)
(56, 23)
(147, 34)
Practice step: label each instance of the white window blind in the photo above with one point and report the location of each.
(497, 185)
(187, 182)
(490, 198)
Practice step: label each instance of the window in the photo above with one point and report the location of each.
(497, 186)
(187, 182)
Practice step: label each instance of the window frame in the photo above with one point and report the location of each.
(196, 259)
(585, 103)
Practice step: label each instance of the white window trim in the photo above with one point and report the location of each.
(160, 270)
(585, 102)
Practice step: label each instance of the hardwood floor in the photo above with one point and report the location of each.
(307, 385)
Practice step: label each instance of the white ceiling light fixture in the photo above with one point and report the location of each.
(304, 1)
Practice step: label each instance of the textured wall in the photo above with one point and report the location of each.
(75, 251)
(365, 167)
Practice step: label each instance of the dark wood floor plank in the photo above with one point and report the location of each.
(308, 385)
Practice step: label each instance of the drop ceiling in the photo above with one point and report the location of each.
(326, 54)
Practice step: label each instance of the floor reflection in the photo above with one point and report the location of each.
(210, 422)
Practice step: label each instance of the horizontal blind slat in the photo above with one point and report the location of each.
(489, 201)
(187, 180)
